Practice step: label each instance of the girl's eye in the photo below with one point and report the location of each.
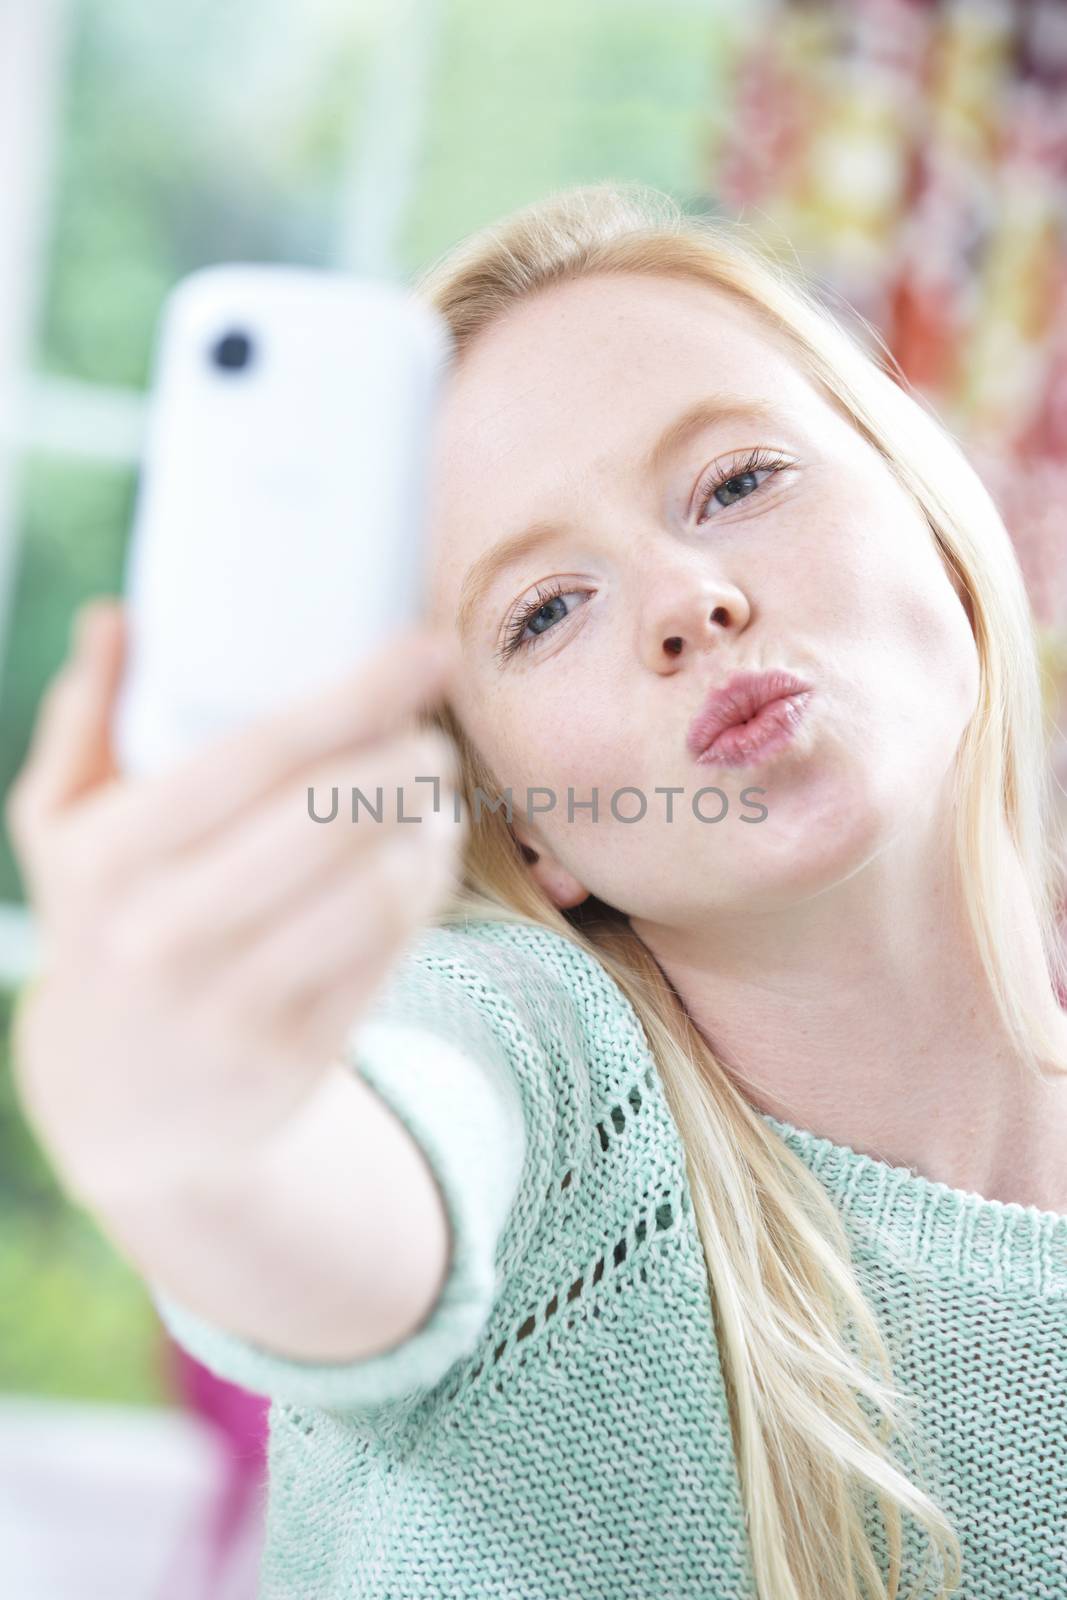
(539, 616)
(736, 480)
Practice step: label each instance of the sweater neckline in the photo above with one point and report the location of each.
(951, 1232)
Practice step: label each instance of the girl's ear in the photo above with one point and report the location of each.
(559, 885)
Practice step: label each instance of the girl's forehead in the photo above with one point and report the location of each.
(594, 364)
(598, 324)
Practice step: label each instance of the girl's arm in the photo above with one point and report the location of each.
(328, 1243)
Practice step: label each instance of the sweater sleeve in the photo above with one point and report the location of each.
(464, 1062)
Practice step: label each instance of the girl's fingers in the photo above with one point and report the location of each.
(70, 750)
(339, 932)
(169, 811)
(220, 896)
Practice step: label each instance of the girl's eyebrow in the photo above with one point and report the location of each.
(483, 573)
(705, 413)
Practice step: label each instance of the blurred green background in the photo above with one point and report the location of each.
(324, 134)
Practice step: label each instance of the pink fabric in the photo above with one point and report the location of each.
(239, 1419)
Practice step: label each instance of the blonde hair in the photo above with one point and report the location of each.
(814, 1416)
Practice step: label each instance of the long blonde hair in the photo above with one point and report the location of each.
(815, 1418)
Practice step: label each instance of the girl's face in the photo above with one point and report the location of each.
(673, 572)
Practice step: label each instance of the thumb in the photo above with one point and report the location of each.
(100, 655)
(98, 631)
(71, 751)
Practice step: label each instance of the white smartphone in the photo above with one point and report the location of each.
(279, 527)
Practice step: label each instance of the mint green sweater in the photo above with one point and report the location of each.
(558, 1425)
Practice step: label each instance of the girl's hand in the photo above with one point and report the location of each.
(206, 944)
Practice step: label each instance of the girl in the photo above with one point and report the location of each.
(685, 1211)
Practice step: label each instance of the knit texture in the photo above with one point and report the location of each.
(558, 1425)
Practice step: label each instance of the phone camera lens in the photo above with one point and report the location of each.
(232, 352)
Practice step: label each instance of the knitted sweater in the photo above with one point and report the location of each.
(558, 1425)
